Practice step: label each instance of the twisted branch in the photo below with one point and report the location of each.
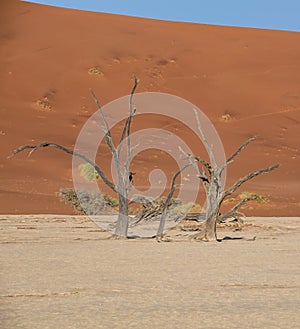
(168, 200)
(108, 137)
(128, 125)
(74, 153)
(240, 149)
(251, 175)
(232, 212)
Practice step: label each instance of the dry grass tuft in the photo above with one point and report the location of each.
(43, 104)
(257, 197)
(226, 117)
(95, 70)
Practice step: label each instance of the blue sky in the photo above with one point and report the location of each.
(269, 14)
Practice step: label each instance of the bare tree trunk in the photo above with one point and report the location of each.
(160, 231)
(122, 221)
(209, 232)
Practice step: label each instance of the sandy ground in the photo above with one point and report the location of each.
(63, 272)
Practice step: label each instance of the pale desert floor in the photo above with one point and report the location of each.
(63, 272)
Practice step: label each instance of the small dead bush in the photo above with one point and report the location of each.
(257, 197)
(88, 203)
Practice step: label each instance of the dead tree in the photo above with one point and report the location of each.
(159, 208)
(124, 183)
(210, 175)
(160, 231)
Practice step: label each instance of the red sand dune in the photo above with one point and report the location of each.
(46, 54)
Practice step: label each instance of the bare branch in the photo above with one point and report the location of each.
(108, 137)
(251, 175)
(236, 153)
(205, 141)
(109, 141)
(240, 149)
(200, 173)
(232, 212)
(205, 164)
(223, 167)
(131, 113)
(168, 200)
(136, 81)
(190, 157)
(74, 153)
(172, 190)
(100, 109)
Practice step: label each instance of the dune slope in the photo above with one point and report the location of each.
(245, 80)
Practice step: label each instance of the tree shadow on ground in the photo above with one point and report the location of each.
(225, 238)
